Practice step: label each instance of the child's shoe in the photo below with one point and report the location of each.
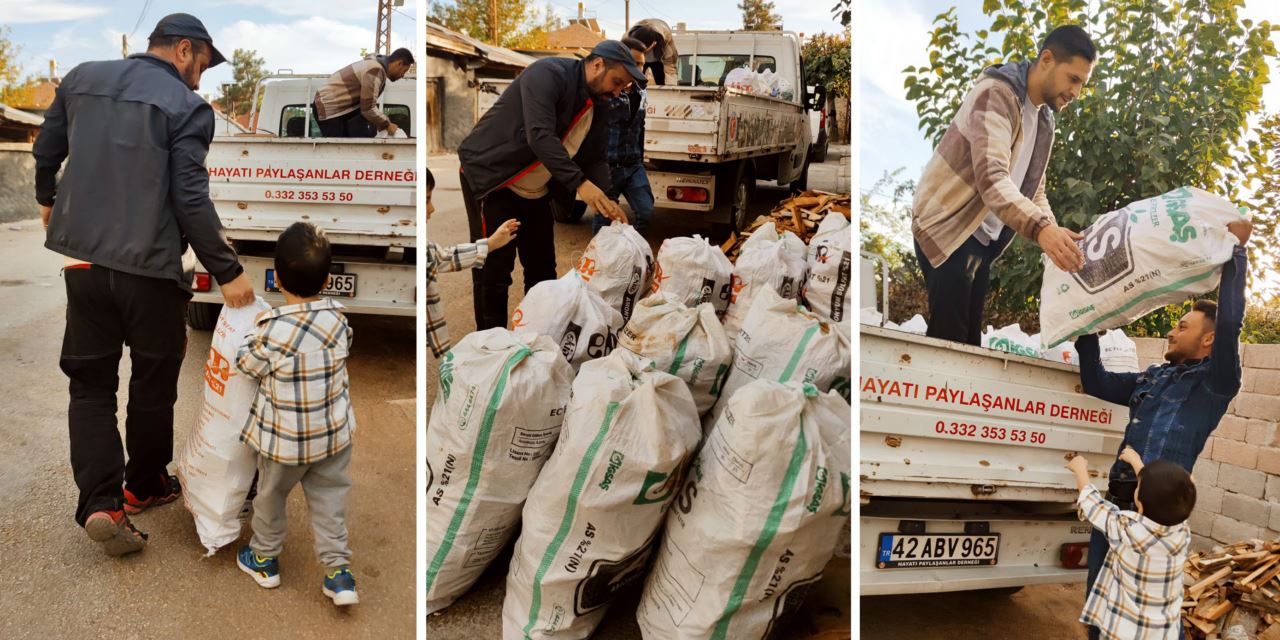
(265, 571)
(341, 587)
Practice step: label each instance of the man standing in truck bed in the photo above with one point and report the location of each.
(985, 181)
(347, 105)
(133, 195)
(1173, 407)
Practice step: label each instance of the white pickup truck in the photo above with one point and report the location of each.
(359, 190)
(706, 144)
(962, 482)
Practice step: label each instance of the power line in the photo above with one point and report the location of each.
(141, 16)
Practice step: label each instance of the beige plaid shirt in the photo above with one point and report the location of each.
(1138, 593)
(298, 353)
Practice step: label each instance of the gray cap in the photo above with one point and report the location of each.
(186, 25)
(614, 50)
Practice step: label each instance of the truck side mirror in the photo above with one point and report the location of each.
(819, 98)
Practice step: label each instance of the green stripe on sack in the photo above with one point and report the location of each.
(477, 464)
(1150, 294)
(765, 538)
(679, 360)
(566, 521)
(795, 355)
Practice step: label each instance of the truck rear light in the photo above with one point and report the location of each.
(203, 283)
(1074, 555)
(822, 124)
(687, 194)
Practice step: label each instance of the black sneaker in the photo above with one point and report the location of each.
(114, 531)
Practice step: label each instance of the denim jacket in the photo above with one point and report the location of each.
(1174, 408)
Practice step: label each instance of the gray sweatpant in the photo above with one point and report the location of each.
(326, 485)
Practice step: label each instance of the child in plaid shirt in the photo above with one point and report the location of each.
(301, 420)
(1138, 593)
(455, 258)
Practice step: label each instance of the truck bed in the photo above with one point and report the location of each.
(703, 124)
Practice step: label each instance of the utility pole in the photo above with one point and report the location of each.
(124, 46)
(382, 37)
(493, 22)
(628, 18)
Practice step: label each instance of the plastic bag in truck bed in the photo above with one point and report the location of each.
(495, 421)
(215, 467)
(767, 261)
(618, 265)
(784, 342)
(694, 271)
(1119, 353)
(827, 289)
(592, 517)
(758, 517)
(1011, 339)
(1149, 254)
(572, 314)
(687, 343)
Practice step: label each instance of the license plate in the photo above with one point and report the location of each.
(342, 285)
(902, 551)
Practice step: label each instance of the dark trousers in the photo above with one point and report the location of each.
(351, 125)
(106, 310)
(957, 291)
(535, 243)
(631, 181)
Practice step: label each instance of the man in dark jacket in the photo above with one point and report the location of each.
(133, 196)
(545, 137)
(1173, 407)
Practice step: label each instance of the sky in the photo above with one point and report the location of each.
(893, 34)
(307, 36)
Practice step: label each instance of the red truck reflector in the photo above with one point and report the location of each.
(687, 194)
(203, 283)
(1074, 555)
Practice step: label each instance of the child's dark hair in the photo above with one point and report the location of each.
(431, 181)
(302, 259)
(1167, 493)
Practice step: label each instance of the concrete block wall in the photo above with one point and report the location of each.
(17, 182)
(1238, 473)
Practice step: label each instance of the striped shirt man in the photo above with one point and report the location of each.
(302, 413)
(1138, 593)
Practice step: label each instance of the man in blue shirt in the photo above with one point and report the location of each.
(1173, 407)
(625, 117)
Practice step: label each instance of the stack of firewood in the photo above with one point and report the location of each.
(800, 214)
(1232, 586)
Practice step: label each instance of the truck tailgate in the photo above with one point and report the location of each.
(360, 191)
(945, 420)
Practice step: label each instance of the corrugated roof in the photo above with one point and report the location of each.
(574, 36)
(438, 37)
(21, 117)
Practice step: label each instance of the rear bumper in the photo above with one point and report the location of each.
(381, 288)
(1029, 554)
(660, 180)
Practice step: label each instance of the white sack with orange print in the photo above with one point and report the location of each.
(694, 271)
(618, 265)
(767, 261)
(215, 467)
(573, 315)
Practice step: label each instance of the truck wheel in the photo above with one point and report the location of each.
(734, 189)
(801, 183)
(203, 315)
(568, 215)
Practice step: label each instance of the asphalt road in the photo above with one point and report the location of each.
(58, 584)
(478, 614)
(1043, 612)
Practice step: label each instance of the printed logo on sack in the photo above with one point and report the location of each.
(569, 342)
(738, 285)
(1004, 344)
(517, 319)
(601, 345)
(605, 578)
(708, 289)
(657, 487)
(845, 506)
(787, 290)
(615, 463)
(1108, 254)
(446, 375)
(658, 278)
(633, 288)
(1175, 204)
(843, 278)
(787, 604)
(819, 487)
(587, 268)
(821, 253)
(217, 371)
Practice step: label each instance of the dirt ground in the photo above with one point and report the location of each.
(1043, 612)
(58, 584)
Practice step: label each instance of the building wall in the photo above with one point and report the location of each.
(458, 109)
(1238, 473)
(17, 182)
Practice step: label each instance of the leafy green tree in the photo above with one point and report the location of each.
(516, 19)
(12, 89)
(758, 15)
(247, 70)
(1172, 91)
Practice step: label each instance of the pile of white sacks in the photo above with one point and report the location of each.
(680, 424)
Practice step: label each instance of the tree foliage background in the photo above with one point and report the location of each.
(758, 15)
(520, 23)
(1169, 104)
(827, 62)
(13, 90)
(247, 70)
